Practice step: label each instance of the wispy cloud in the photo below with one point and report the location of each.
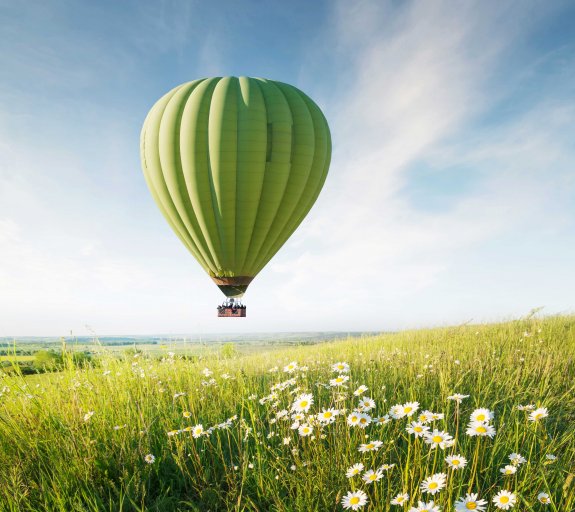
(420, 77)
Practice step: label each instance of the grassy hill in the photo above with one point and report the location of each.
(222, 433)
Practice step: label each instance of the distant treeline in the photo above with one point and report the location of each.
(7, 348)
(48, 361)
(17, 352)
(116, 343)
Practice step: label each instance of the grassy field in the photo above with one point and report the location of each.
(278, 430)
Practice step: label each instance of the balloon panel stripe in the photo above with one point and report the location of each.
(315, 181)
(153, 171)
(171, 164)
(300, 167)
(276, 173)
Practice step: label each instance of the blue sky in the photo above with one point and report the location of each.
(451, 194)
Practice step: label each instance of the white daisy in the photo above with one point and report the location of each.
(305, 430)
(470, 502)
(371, 476)
(327, 416)
(284, 413)
(382, 420)
(340, 380)
(480, 429)
(149, 458)
(400, 499)
(396, 412)
(439, 438)
(370, 447)
(544, 498)
(360, 390)
(198, 430)
(417, 429)
(302, 403)
(425, 417)
(504, 500)
(290, 367)
(457, 397)
(425, 507)
(340, 367)
(356, 469)
(354, 500)
(434, 483)
(508, 470)
(528, 407)
(456, 461)
(481, 415)
(410, 408)
(517, 459)
(353, 419)
(364, 420)
(366, 404)
(538, 414)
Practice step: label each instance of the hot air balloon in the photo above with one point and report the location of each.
(234, 165)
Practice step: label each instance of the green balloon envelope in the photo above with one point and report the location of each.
(234, 165)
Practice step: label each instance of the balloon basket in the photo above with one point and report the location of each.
(231, 309)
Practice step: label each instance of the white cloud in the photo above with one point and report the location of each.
(419, 78)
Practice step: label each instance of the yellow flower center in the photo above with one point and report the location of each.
(455, 462)
(363, 420)
(408, 409)
(422, 417)
(544, 500)
(354, 500)
(508, 472)
(481, 429)
(339, 379)
(303, 404)
(327, 414)
(400, 499)
(504, 499)
(433, 485)
(437, 439)
(538, 416)
(354, 419)
(372, 477)
(370, 446)
(471, 505)
(480, 417)
(417, 429)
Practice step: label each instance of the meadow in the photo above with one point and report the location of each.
(474, 417)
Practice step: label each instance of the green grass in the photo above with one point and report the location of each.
(51, 459)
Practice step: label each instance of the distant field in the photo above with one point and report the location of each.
(16, 358)
(183, 345)
(454, 416)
